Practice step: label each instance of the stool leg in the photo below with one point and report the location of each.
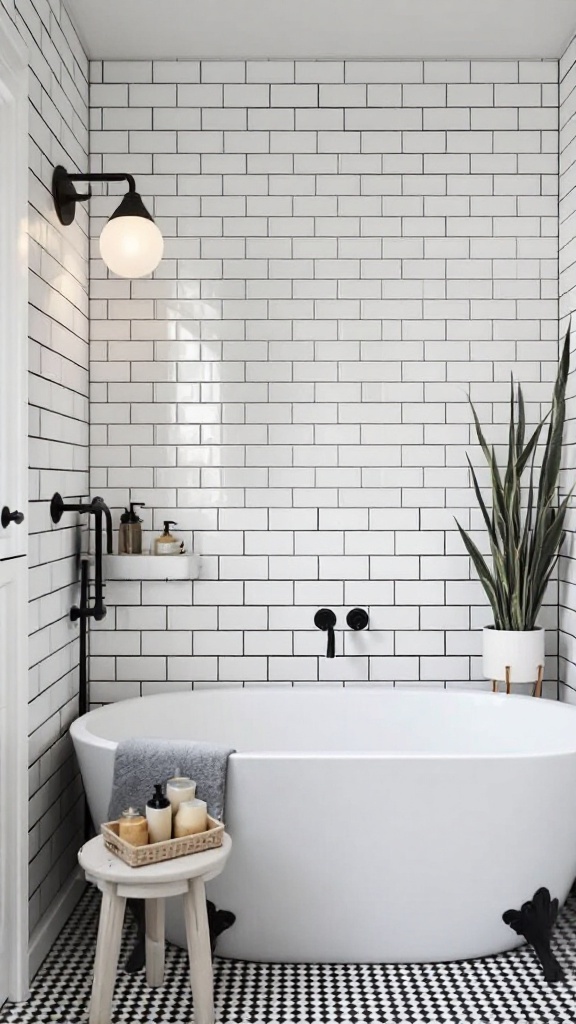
(155, 942)
(199, 953)
(107, 952)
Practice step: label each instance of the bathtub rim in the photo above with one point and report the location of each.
(80, 732)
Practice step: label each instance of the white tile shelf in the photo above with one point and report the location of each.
(151, 567)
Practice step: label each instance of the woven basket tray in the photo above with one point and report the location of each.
(154, 853)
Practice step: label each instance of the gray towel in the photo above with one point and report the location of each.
(141, 763)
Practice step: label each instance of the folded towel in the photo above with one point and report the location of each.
(141, 763)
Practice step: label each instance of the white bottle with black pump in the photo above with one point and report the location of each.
(166, 543)
(159, 817)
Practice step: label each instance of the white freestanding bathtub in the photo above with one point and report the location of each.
(378, 826)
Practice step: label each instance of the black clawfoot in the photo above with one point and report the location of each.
(218, 921)
(535, 921)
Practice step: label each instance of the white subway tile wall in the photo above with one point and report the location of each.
(567, 274)
(58, 406)
(352, 248)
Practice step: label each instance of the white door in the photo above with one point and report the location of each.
(13, 782)
(13, 514)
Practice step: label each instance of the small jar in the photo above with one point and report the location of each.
(191, 818)
(178, 789)
(133, 827)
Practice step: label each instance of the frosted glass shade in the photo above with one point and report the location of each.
(131, 246)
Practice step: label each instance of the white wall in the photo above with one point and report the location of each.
(351, 247)
(331, 363)
(567, 289)
(58, 388)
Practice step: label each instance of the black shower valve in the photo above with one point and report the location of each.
(357, 618)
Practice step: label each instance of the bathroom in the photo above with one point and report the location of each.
(367, 220)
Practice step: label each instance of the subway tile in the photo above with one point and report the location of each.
(270, 71)
(166, 643)
(241, 668)
(58, 385)
(189, 669)
(371, 265)
(218, 642)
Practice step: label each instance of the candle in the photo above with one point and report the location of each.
(178, 789)
(192, 817)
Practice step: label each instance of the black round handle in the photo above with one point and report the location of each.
(325, 619)
(357, 618)
(7, 517)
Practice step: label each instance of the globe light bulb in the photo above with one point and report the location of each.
(131, 246)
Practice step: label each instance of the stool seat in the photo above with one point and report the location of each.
(99, 864)
(182, 876)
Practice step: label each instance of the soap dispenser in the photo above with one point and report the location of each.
(159, 817)
(166, 544)
(130, 532)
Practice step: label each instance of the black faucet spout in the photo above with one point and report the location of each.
(98, 504)
(325, 620)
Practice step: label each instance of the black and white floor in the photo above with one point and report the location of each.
(506, 989)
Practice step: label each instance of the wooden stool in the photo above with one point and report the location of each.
(183, 876)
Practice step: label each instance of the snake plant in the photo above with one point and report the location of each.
(525, 536)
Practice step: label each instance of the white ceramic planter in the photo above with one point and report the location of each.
(520, 650)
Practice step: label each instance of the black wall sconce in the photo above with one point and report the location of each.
(131, 244)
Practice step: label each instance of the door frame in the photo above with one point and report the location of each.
(14, 788)
(13, 549)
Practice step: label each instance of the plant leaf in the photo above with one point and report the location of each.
(483, 571)
(480, 500)
(521, 425)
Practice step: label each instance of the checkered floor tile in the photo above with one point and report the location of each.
(506, 989)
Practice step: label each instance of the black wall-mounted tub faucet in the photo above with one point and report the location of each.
(326, 620)
(98, 508)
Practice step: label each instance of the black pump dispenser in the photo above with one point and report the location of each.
(167, 524)
(158, 800)
(130, 532)
(131, 516)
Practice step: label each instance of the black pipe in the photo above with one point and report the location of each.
(58, 506)
(82, 613)
(97, 508)
(98, 610)
(103, 177)
(83, 665)
(98, 504)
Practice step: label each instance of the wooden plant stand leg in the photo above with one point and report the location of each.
(107, 952)
(199, 952)
(494, 686)
(155, 942)
(538, 690)
(508, 686)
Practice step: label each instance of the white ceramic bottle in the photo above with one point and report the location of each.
(159, 817)
(166, 543)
